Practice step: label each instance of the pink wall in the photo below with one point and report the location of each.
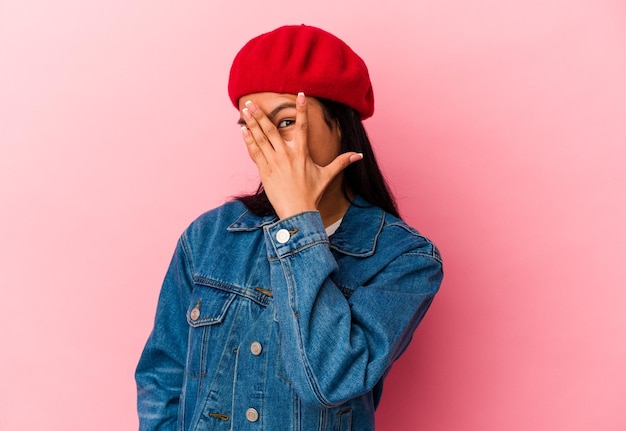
(501, 125)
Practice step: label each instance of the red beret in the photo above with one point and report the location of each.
(298, 58)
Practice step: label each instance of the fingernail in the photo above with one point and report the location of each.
(246, 113)
(356, 157)
(301, 99)
(251, 106)
(245, 131)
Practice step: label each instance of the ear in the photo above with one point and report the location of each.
(338, 128)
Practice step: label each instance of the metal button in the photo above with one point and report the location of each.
(282, 236)
(252, 415)
(195, 313)
(256, 348)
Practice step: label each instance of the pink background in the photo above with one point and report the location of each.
(500, 124)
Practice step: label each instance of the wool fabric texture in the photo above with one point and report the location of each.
(298, 58)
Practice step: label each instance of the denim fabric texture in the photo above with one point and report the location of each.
(264, 324)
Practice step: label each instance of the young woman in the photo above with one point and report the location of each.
(285, 309)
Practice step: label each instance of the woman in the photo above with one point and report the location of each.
(285, 309)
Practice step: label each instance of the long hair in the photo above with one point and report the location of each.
(362, 178)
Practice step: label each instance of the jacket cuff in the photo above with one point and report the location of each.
(290, 235)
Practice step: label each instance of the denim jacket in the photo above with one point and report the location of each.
(270, 325)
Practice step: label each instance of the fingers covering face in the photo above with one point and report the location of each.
(261, 131)
(302, 120)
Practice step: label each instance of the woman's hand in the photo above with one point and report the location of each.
(292, 181)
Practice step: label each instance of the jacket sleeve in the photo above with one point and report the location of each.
(333, 348)
(160, 372)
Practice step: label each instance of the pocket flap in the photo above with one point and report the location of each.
(208, 306)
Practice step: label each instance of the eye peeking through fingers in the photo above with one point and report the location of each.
(285, 123)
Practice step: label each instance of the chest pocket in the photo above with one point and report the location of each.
(206, 314)
(208, 309)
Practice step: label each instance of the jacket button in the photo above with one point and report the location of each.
(195, 313)
(252, 415)
(256, 348)
(282, 236)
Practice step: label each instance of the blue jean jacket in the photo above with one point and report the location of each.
(269, 325)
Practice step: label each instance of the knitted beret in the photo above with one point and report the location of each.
(298, 58)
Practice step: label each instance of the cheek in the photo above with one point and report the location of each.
(324, 147)
(287, 135)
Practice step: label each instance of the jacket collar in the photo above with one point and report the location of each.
(358, 232)
(356, 236)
